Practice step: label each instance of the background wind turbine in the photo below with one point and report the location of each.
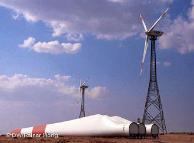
(83, 87)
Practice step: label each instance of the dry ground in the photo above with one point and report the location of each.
(169, 138)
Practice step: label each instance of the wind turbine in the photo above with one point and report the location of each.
(150, 32)
(153, 112)
(83, 87)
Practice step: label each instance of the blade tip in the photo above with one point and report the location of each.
(140, 16)
(141, 70)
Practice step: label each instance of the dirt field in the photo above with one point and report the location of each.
(169, 138)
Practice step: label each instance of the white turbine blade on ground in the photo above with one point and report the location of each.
(143, 22)
(163, 14)
(144, 54)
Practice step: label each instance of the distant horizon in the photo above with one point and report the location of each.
(47, 48)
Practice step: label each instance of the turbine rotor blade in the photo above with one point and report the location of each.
(80, 84)
(144, 54)
(143, 22)
(163, 14)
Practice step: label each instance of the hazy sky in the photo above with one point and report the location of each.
(48, 46)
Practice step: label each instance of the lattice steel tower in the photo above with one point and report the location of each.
(83, 87)
(153, 112)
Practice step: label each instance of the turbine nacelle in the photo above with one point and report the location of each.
(83, 86)
(154, 33)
